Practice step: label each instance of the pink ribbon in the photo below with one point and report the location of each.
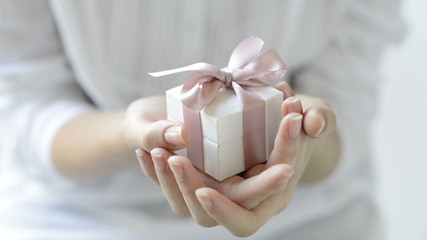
(246, 67)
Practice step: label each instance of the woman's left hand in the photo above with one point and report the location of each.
(236, 203)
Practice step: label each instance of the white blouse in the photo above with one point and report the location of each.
(60, 58)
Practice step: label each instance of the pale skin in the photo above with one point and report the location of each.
(307, 149)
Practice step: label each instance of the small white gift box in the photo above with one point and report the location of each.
(222, 128)
(232, 115)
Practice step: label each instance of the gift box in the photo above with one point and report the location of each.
(232, 114)
(222, 129)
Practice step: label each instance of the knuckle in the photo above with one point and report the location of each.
(150, 138)
(146, 142)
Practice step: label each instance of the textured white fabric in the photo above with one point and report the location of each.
(100, 59)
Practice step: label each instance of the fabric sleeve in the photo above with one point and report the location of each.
(38, 93)
(346, 72)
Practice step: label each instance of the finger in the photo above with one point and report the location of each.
(167, 181)
(239, 221)
(291, 104)
(146, 164)
(276, 203)
(279, 201)
(165, 134)
(286, 144)
(250, 192)
(319, 121)
(189, 180)
(319, 118)
(255, 170)
(285, 89)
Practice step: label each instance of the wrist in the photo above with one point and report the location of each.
(116, 142)
(92, 145)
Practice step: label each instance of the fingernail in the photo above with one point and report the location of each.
(173, 136)
(158, 160)
(176, 169)
(292, 104)
(295, 126)
(322, 120)
(205, 200)
(292, 100)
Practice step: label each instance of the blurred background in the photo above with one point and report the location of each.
(400, 133)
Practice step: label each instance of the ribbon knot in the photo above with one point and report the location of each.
(227, 78)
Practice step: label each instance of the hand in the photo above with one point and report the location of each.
(145, 126)
(305, 123)
(96, 144)
(245, 192)
(319, 142)
(241, 204)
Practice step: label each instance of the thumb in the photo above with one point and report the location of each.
(165, 134)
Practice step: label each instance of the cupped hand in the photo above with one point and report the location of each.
(146, 129)
(306, 121)
(243, 204)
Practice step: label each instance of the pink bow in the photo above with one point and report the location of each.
(246, 68)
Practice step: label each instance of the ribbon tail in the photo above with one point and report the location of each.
(196, 67)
